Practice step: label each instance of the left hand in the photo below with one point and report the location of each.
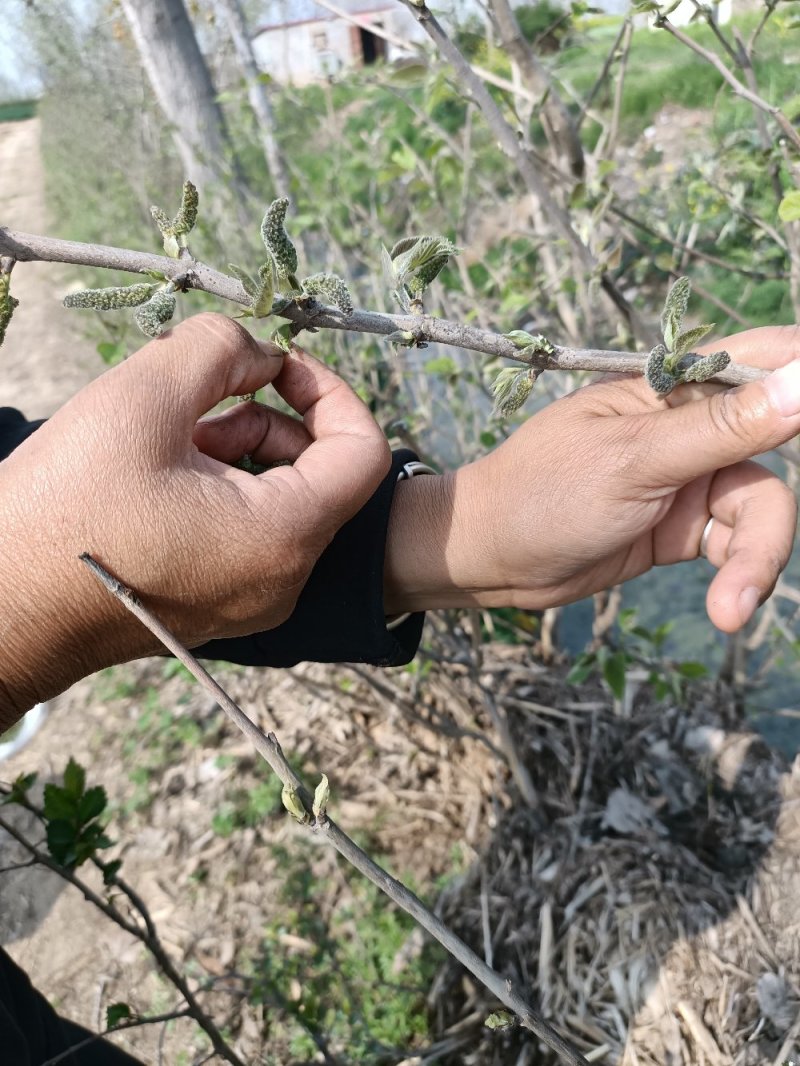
(611, 480)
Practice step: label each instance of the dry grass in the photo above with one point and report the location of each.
(641, 901)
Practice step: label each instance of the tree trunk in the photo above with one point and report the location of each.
(182, 84)
(554, 114)
(258, 94)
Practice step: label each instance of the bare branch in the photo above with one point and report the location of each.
(268, 747)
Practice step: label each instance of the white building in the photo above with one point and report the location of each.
(300, 41)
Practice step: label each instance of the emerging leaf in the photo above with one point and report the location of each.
(499, 1019)
(322, 793)
(416, 261)
(684, 342)
(511, 388)
(674, 309)
(293, 803)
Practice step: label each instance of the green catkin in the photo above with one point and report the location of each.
(111, 299)
(154, 315)
(275, 237)
(706, 368)
(656, 376)
(187, 213)
(332, 288)
(8, 303)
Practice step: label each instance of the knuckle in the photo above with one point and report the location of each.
(730, 416)
(213, 326)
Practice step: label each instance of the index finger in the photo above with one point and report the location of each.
(348, 455)
(767, 347)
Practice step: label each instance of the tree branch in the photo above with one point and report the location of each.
(136, 1023)
(148, 936)
(738, 87)
(193, 274)
(268, 747)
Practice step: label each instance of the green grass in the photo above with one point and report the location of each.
(16, 110)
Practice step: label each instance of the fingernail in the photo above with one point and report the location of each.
(783, 388)
(268, 348)
(748, 601)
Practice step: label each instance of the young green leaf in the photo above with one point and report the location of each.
(116, 1013)
(789, 207)
(248, 284)
(74, 779)
(684, 342)
(265, 292)
(674, 310)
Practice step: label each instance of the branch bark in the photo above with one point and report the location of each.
(191, 273)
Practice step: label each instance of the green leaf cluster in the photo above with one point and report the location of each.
(72, 818)
(673, 363)
(638, 647)
(412, 264)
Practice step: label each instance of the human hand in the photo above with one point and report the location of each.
(125, 472)
(606, 483)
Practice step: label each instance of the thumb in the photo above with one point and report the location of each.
(200, 362)
(732, 425)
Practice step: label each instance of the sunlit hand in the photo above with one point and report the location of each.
(124, 472)
(606, 483)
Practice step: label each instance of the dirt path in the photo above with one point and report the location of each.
(44, 359)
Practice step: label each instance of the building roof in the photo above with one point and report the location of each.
(279, 13)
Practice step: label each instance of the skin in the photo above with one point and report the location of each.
(593, 490)
(604, 484)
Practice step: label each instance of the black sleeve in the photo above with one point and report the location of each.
(339, 616)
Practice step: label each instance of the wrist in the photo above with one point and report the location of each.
(439, 550)
(57, 627)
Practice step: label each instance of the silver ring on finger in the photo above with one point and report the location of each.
(703, 549)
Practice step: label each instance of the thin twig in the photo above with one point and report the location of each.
(537, 186)
(149, 936)
(29, 247)
(268, 747)
(738, 87)
(136, 1023)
